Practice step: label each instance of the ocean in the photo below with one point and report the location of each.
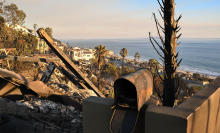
(198, 55)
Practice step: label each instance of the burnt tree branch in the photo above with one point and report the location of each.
(155, 47)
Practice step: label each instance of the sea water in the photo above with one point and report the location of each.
(198, 55)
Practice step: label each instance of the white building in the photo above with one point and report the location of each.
(110, 52)
(83, 54)
(87, 55)
(17, 27)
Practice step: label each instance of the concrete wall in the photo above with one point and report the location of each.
(198, 114)
(97, 114)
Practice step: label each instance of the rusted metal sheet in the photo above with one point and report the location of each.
(7, 88)
(41, 89)
(46, 76)
(137, 85)
(31, 59)
(69, 64)
(14, 92)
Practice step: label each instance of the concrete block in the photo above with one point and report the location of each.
(161, 119)
(198, 114)
(97, 114)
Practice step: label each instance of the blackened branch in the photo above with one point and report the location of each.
(161, 14)
(179, 18)
(162, 9)
(177, 55)
(163, 2)
(178, 36)
(157, 23)
(178, 64)
(155, 47)
(159, 46)
(178, 30)
(160, 5)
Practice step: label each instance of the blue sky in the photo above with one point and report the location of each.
(106, 19)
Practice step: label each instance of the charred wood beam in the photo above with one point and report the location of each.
(48, 72)
(31, 59)
(69, 64)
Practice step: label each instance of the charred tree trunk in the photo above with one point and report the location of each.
(169, 55)
(170, 46)
(123, 66)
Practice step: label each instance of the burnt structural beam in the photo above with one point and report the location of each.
(31, 59)
(46, 76)
(69, 64)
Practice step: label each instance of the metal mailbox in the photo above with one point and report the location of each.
(131, 92)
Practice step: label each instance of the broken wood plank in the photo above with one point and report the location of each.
(31, 59)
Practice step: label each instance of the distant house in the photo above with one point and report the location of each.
(110, 52)
(17, 27)
(42, 46)
(84, 54)
(87, 55)
(77, 54)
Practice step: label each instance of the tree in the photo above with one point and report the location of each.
(137, 56)
(35, 28)
(111, 69)
(123, 53)
(24, 43)
(3, 31)
(49, 31)
(9, 14)
(12, 15)
(168, 48)
(196, 76)
(100, 53)
(154, 65)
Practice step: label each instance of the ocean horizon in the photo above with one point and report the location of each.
(199, 55)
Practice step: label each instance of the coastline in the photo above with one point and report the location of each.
(196, 57)
(177, 71)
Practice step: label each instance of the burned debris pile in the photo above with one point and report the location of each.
(37, 115)
(48, 101)
(52, 107)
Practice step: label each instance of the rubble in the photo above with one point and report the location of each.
(46, 99)
(40, 116)
(46, 113)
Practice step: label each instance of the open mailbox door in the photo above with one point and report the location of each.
(131, 92)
